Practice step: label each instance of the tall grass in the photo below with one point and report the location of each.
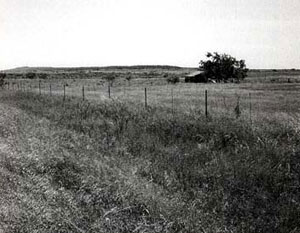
(166, 172)
(267, 99)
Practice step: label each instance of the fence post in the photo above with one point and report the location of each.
(250, 108)
(108, 90)
(145, 97)
(237, 109)
(40, 87)
(206, 113)
(50, 89)
(172, 94)
(83, 92)
(64, 92)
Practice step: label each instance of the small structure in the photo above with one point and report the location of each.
(196, 77)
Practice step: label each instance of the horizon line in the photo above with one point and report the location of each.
(127, 66)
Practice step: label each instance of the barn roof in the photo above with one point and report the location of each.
(195, 73)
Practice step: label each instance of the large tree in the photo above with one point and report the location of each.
(223, 67)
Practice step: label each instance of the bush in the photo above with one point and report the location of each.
(110, 78)
(42, 76)
(2, 77)
(173, 79)
(30, 75)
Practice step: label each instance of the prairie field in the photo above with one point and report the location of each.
(264, 93)
(148, 158)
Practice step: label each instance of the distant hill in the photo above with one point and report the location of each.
(137, 70)
(27, 69)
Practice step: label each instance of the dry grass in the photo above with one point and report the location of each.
(112, 166)
(256, 100)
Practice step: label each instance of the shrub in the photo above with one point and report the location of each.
(30, 75)
(2, 77)
(173, 79)
(110, 78)
(42, 76)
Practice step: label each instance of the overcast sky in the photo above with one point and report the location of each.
(127, 32)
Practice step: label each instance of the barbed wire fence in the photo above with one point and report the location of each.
(142, 94)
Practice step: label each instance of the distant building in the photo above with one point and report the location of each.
(196, 77)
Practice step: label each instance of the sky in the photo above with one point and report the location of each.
(265, 33)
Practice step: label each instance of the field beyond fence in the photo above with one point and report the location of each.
(147, 156)
(249, 100)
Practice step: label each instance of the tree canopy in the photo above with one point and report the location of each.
(223, 67)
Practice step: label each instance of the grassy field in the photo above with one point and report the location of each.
(256, 100)
(112, 165)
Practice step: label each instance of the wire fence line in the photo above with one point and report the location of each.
(210, 99)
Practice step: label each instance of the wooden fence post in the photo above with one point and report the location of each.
(172, 94)
(206, 112)
(108, 90)
(145, 97)
(64, 92)
(250, 108)
(40, 87)
(50, 89)
(83, 92)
